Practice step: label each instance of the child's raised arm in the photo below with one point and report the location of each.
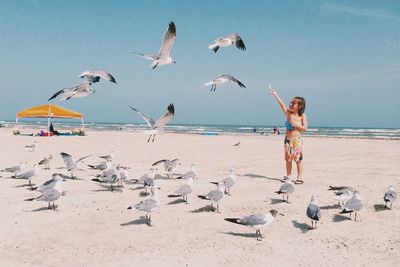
(280, 102)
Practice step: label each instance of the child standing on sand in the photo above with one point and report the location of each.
(296, 122)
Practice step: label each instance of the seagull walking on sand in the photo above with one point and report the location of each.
(231, 39)
(164, 55)
(71, 165)
(32, 146)
(157, 126)
(108, 157)
(228, 182)
(93, 76)
(313, 211)
(169, 166)
(256, 221)
(184, 190)
(390, 196)
(286, 189)
(354, 204)
(148, 205)
(81, 90)
(215, 196)
(49, 184)
(102, 166)
(224, 78)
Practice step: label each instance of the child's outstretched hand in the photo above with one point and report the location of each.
(271, 90)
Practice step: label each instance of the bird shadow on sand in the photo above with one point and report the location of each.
(68, 177)
(44, 209)
(28, 186)
(141, 220)
(340, 218)
(330, 207)
(206, 208)
(105, 187)
(277, 201)
(380, 207)
(252, 175)
(303, 227)
(249, 235)
(144, 194)
(176, 201)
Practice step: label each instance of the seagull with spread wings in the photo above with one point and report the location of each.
(81, 90)
(157, 126)
(93, 76)
(231, 39)
(164, 55)
(224, 78)
(71, 165)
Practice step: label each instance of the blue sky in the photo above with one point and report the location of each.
(343, 57)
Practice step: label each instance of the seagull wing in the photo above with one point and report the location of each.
(168, 41)
(82, 158)
(57, 94)
(98, 73)
(233, 79)
(167, 117)
(147, 56)
(147, 118)
(69, 164)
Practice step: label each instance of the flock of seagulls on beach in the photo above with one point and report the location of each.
(113, 174)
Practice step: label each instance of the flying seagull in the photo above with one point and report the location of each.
(224, 78)
(93, 76)
(256, 221)
(313, 211)
(157, 126)
(229, 40)
(390, 196)
(163, 57)
(81, 90)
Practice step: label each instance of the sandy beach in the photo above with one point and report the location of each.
(92, 226)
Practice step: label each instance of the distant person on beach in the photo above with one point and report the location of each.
(296, 122)
(51, 129)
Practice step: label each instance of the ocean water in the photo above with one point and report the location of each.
(339, 132)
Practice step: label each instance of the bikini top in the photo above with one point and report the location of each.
(289, 126)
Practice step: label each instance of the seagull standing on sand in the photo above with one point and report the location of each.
(32, 146)
(164, 55)
(190, 174)
(46, 162)
(81, 90)
(313, 211)
(93, 76)
(169, 166)
(70, 165)
(50, 195)
(109, 176)
(390, 196)
(354, 204)
(29, 174)
(107, 157)
(14, 169)
(231, 39)
(184, 190)
(286, 189)
(256, 221)
(157, 126)
(215, 196)
(224, 78)
(49, 184)
(148, 205)
(343, 194)
(102, 166)
(228, 182)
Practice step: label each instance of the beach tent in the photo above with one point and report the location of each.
(49, 111)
